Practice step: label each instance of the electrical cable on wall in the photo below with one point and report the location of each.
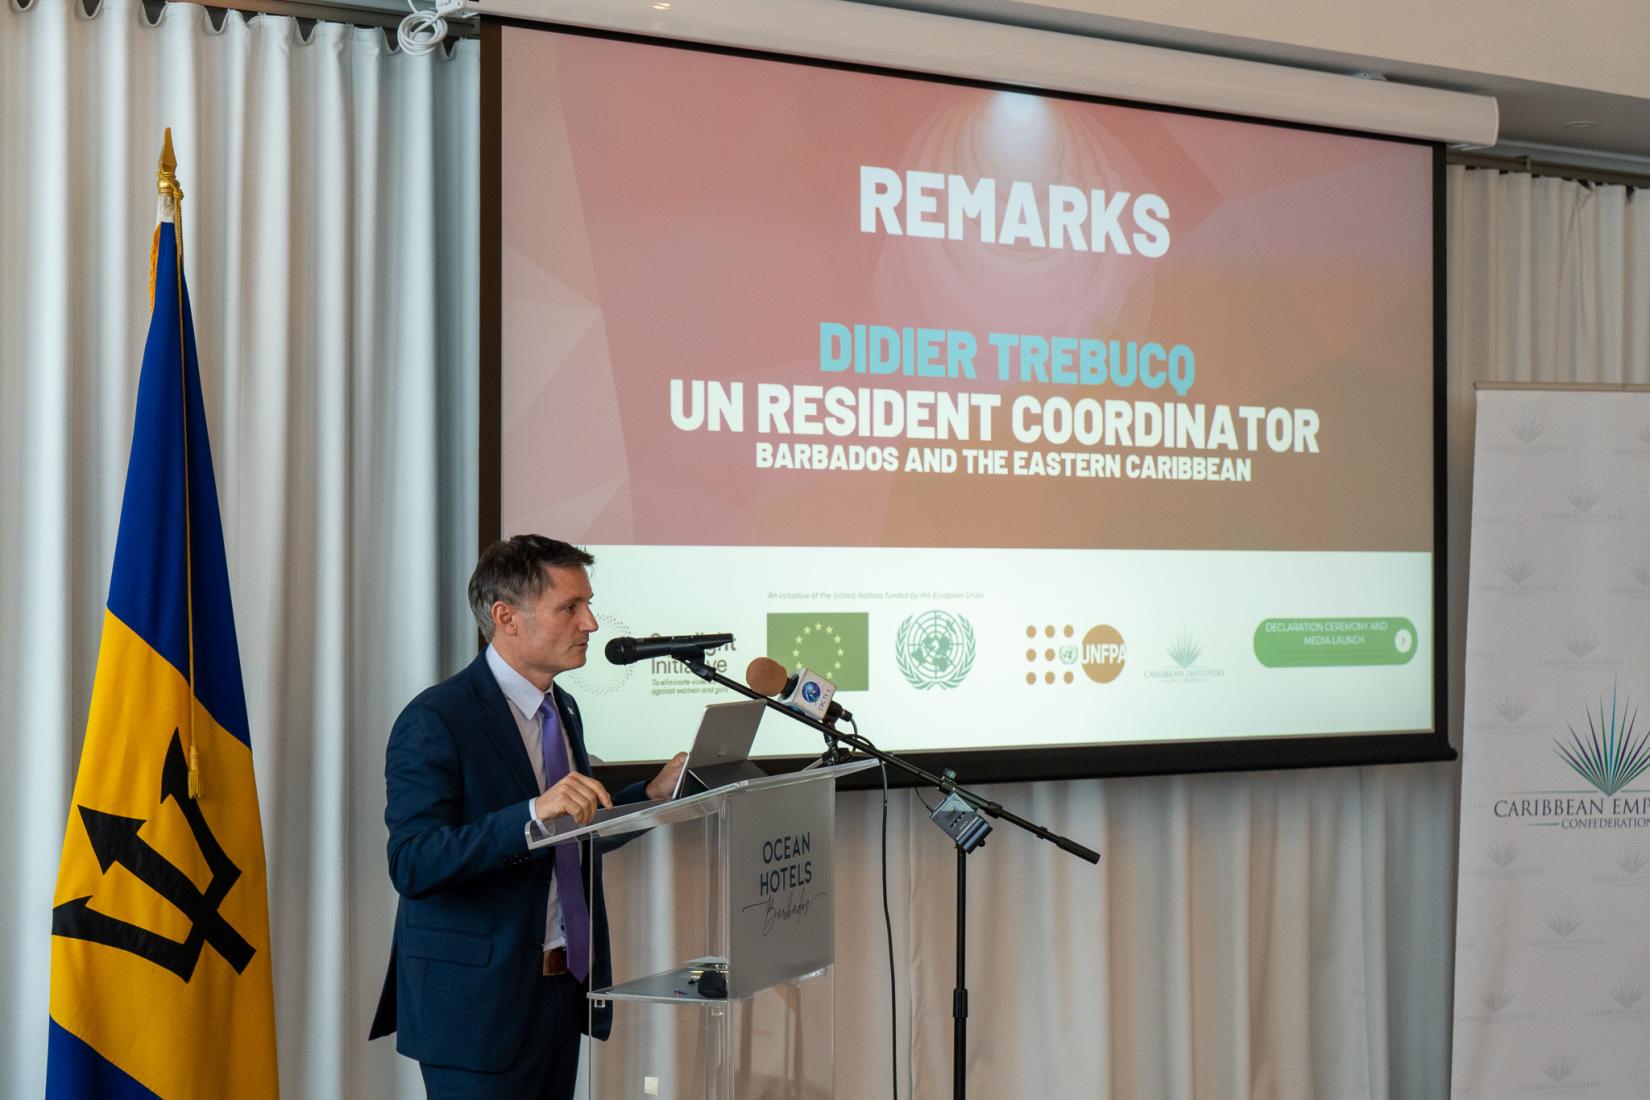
(426, 28)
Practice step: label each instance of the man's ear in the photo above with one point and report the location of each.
(505, 618)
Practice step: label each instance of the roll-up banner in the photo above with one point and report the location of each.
(1552, 973)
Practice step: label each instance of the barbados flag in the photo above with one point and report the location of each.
(161, 978)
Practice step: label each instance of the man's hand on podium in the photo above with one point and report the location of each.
(663, 785)
(577, 795)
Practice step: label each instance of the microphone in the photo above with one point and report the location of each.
(766, 676)
(627, 651)
(804, 691)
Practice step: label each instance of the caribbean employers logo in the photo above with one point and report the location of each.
(1055, 656)
(1585, 507)
(1635, 444)
(1608, 748)
(1511, 715)
(1563, 930)
(1186, 665)
(934, 649)
(1503, 861)
(1561, 1075)
(1526, 434)
(1610, 756)
(1639, 573)
(1497, 1004)
(1520, 576)
(1629, 866)
(1622, 999)
(1582, 652)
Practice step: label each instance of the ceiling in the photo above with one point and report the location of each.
(1535, 117)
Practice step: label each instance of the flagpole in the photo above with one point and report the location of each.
(171, 204)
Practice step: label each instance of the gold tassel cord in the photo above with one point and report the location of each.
(171, 193)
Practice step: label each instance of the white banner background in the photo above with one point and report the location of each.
(1552, 973)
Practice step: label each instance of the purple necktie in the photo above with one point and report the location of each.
(575, 914)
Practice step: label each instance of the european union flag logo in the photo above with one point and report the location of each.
(835, 644)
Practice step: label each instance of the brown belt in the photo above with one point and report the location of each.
(555, 962)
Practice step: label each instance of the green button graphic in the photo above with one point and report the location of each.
(1328, 643)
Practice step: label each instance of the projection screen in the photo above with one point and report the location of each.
(1067, 437)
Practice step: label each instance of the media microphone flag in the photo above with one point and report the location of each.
(627, 651)
(803, 691)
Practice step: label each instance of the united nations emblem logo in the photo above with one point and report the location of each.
(935, 649)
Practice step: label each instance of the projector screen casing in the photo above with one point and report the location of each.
(1157, 757)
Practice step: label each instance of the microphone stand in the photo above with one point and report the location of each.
(946, 782)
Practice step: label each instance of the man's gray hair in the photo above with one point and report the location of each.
(515, 570)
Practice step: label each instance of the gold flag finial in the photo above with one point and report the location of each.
(166, 175)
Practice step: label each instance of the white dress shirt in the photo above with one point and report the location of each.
(525, 700)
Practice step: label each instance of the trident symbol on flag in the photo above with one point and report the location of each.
(115, 840)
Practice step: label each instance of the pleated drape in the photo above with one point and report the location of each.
(331, 244)
(1270, 935)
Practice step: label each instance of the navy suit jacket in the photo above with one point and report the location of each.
(469, 928)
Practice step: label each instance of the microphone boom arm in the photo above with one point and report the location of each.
(946, 783)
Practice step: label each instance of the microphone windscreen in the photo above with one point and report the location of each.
(766, 676)
(616, 652)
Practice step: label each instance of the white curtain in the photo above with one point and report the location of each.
(1272, 935)
(331, 246)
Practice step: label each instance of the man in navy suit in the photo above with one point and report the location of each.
(495, 945)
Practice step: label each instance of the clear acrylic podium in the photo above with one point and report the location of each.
(736, 882)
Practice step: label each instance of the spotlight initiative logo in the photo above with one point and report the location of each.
(601, 677)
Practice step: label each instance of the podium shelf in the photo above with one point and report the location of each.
(678, 986)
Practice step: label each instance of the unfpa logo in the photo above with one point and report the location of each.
(1100, 654)
(1103, 654)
